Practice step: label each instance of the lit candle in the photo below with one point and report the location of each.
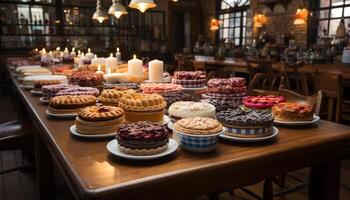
(61, 54)
(111, 63)
(58, 48)
(36, 49)
(118, 55)
(155, 70)
(135, 67)
(65, 52)
(79, 53)
(89, 55)
(98, 61)
(81, 59)
(73, 54)
(99, 70)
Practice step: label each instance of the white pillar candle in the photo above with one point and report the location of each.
(155, 70)
(89, 55)
(65, 52)
(73, 54)
(111, 63)
(135, 67)
(118, 55)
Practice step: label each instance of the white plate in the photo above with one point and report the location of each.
(239, 139)
(113, 148)
(195, 89)
(297, 123)
(75, 132)
(60, 115)
(166, 120)
(26, 86)
(36, 92)
(43, 100)
(170, 125)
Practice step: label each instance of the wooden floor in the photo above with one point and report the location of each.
(21, 185)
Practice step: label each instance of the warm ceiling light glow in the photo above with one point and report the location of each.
(214, 25)
(259, 20)
(301, 16)
(117, 9)
(99, 14)
(142, 5)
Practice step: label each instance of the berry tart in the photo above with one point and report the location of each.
(39, 84)
(198, 134)
(86, 78)
(50, 91)
(262, 102)
(143, 107)
(79, 91)
(190, 79)
(70, 104)
(99, 120)
(246, 124)
(150, 88)
(112, 96)
(293, 111)
(188, 109)
(142, 138)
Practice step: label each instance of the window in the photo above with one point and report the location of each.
(330, 13)
(236, 21)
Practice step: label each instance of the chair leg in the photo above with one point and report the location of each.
(268, 189)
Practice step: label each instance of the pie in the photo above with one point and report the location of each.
(143, 107)
(70, 104)
(99, 120)
(150, 88)
(262, 102)
(142, 138)
(293, 111)
(190, 79)
(187, 109)
(112, 96)
(246, 124)
(198, 126)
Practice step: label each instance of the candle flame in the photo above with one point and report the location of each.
(117, 49)
(65, 49)
(89, 50)
(134, 56)
(58, 48)
(111, 55)
(36, 49)
(79, 52)
(99, 67)
(95, 56)
(73, 49)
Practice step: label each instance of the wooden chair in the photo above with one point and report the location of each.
(184, 62)
(263, 83)
(296, 78)
(258, 66)
(16, 135)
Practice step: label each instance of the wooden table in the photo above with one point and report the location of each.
(236, 65)
(91, 173)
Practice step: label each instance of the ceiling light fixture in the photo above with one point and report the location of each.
(142, 5)
(117, 9)
(99, 14)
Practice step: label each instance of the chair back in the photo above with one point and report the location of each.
(296, 78)
(266, 83)
(332, 90)
(258, 66)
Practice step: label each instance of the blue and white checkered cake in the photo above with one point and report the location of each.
(198, 134)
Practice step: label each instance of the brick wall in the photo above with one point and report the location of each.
(208, 7)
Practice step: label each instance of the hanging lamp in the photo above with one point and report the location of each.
(117, 9)
(99, 14)
(142, 5)
(214, 25)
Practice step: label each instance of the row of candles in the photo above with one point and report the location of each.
(135, 66)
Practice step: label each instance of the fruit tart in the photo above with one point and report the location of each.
(293, 111)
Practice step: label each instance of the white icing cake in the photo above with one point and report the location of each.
(19, 69)
(29, 80)
(186, 109)
(35, 71)
(346, 55)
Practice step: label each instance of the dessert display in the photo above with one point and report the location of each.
(99, 120)
(227, 90)
(112, 96)
(149, 88)
(142, 138)
(76, 90)
(50, 91)
(30, 81)
(34, 71)
(70, 104)
(172, 97)
(246, 124)
(293, 111)
(198, 134)
(219, 105)
(190, 79)
(86, 78)
(262, 102)
(143, 107)
(188, 109)
(19, 69)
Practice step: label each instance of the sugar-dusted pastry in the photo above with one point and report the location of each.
(198, 134)
(150, 88)
(79, 91)
(112, 96)
(38, 79)
(142, 138)
(190, 79)
(262, 102)
(94, 120)
(70, 104)
(293, 111)
(187, 109)
(246, 124)
(143, 107)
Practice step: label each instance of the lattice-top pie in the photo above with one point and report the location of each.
(198, 126)
(142, 102)
(101, 113)
(293, 111)
(112, 96)
(65, 102)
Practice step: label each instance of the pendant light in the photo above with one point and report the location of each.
(214, 24)
(142, 5)
(117, 9)
(301, 14)
(99, 14)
